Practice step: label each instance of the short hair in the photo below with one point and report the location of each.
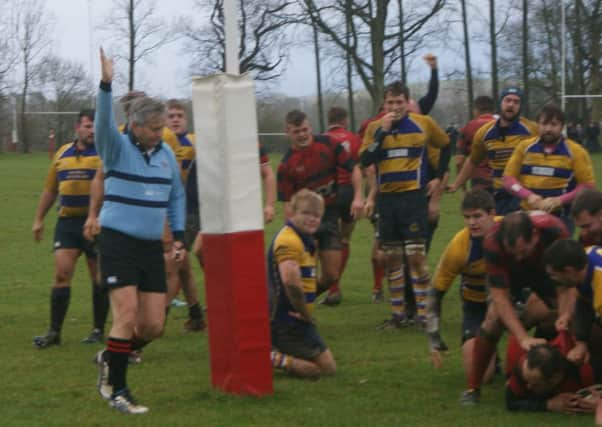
(587, 200)
(304, 196)
(174, 104)
(484, 104)
(478, 198)
(144, 108)
(126, 100)
(565, 253)
(514, 226)
(551, 112)
(86, 112)
(549, 360)
(397, 88)
(295, 117)
(337, 115)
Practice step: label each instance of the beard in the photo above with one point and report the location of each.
(510, 115)
(549, 139)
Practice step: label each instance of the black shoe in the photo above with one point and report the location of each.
(124, 402)
(470, 397)
(195, 324)
(332, 299)
(94, 337)
(52, 337)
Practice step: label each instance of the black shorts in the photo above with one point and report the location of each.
(329, 233)
(193, 226)
(473, 314)
(298, 339)
(344, 200)
(69, 234)
(402, 217)
(126, 260)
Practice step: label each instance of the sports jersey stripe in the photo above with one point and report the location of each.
(75, 174)
(548, 192)
(477, 288)
(74, 152)
(135, 202)
(74, 201)
(137, 178)
(402, 153)
(310, 297)
(547, 171)
(499, 153)
(308, 272)
(411, 175)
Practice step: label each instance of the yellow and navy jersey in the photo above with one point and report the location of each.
(463, 256)
(550, 173)
(402, 163)
(291, 245)
(591, 288)
(183, 147)
(496, 145)
(70, 175)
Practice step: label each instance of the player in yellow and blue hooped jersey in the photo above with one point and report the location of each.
(569, 264)
(495, 142)
(296, 345)
(464, 257)
(547, 172)
(69, 178)
(397, 145)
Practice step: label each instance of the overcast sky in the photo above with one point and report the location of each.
(166, 73)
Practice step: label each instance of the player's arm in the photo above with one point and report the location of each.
(584, 175)
(567, 299)
(91, 226)
(449, 267)
(176, 209)
(427, 102)
(290, 272)
(285, 190)
(511, 176)
(357, 205)
(370, 172)
(269, 188)
(47, 198)
(478, 152)
(371, 145)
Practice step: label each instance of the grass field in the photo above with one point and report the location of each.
(384, 377)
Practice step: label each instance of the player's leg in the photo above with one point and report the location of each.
(296, 348)
(329, 253)
(326, 363)
(195, 320)
(197, 248)
(100, 300)
(378, 261)
(60, 295)
(472, 318)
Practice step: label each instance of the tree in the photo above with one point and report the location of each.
(32, 26)
(8, 53)
(264, 37)
(135, 21)
(467, 62)
(374, 46)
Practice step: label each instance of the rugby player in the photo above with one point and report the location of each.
(464, 256)
(397, 145)
(142, 187)
(312, 163)
(587, 214)
(547, 172)
(495, 142)
(513, 252)
(338, 123)
(69, 178)
(296, 344)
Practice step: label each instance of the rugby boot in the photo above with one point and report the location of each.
(51, 338)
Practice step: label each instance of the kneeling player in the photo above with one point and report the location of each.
(297, 346)
(464, 256)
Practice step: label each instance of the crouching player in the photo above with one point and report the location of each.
(464, 256)
(297, 346)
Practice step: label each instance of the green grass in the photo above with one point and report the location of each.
(384, 378)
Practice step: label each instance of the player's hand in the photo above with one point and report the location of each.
(38, 230)
(106, 67)
(578, 354)
(431, 60)
(268, 213)
(562, 323)
(451, 188)
(432, 186)
(433, 211)
(299, 316)
(528, 342)
(178, 251)
(388, 119)
(369, 207)
(565, 403)
(91, 228)
(551, 204)
(534, 201)
(357, 208)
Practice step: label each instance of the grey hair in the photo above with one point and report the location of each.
(144, 108)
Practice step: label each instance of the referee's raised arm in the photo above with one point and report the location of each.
(108, 137)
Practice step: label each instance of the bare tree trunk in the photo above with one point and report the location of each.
(350, 103)
(579, 61)
(595, 56)
(469, 84)
(525, 58)
(132, 59)
(402, 42)
(494, 74)
(23, 108)
(319, 78)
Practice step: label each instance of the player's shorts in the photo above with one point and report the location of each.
(193, 226)
(126, 260)
(505, 202)
(402, 217)
(329, 234)
(344, 200)
(473, 314)
(299, 339)
(69, 234)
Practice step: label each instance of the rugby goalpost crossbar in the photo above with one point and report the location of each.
(227, 156)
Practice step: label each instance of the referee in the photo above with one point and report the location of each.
(142, 186)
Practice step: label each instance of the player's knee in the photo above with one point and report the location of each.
(62, 277)
(151, 330)
(328, 368)
(490, 332)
